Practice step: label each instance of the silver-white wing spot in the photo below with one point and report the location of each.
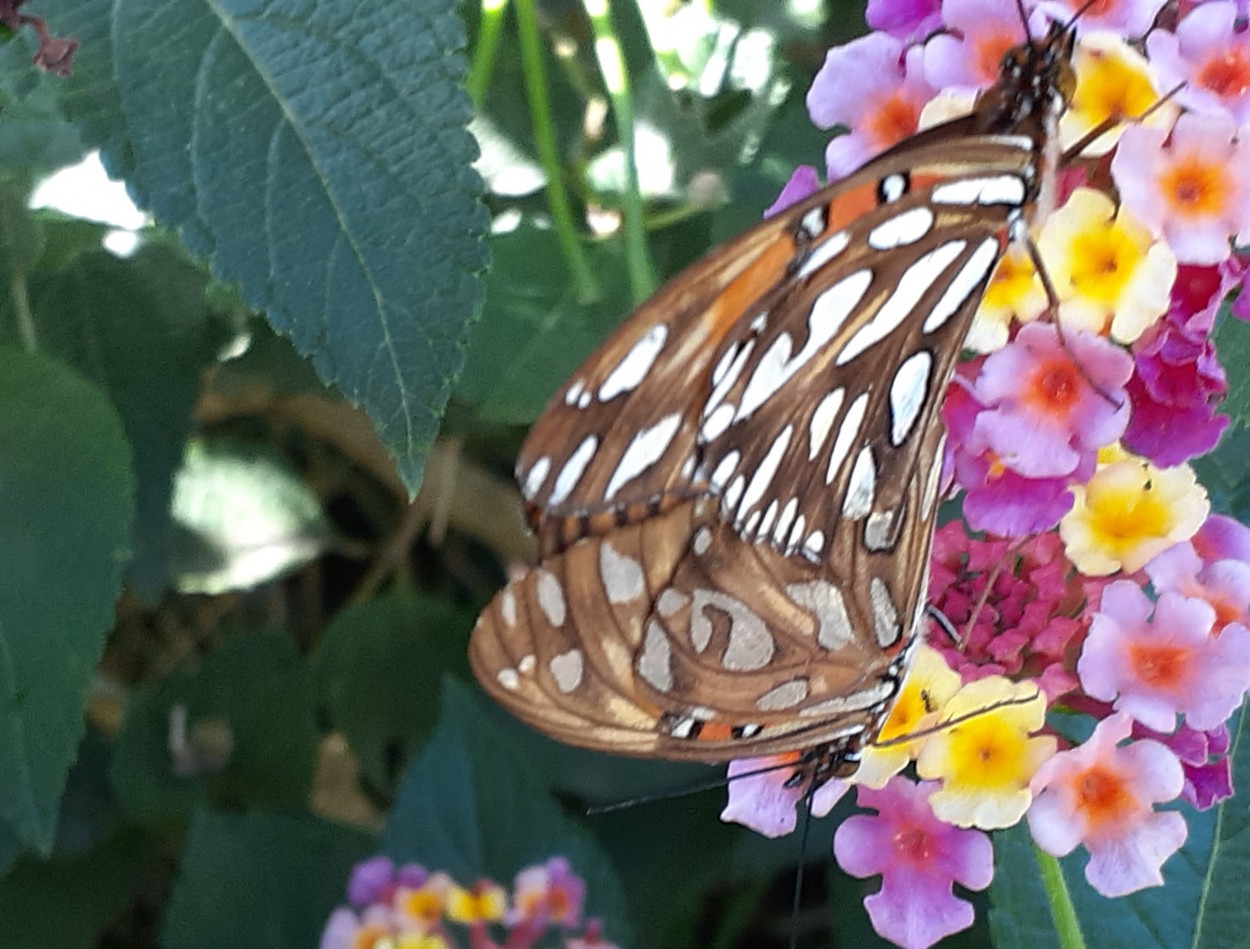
(647, 447)
(901, 230)
(824, 252)
(1000, 189)
(784, 522)
(861, 487)
(827, 603)
(815, 542)
(716, 423)
(671, 601)
(726, 374)
(884, 613)
(777, 366)
(879, 531)
(980, 262)
(867, 698)
(622, 575)
(912, 285)
(848, 431)
(935, 476)
(535, 477)
(907, 394)
(822, 421)
(814, 221)
(551, 598)
(527, 664)
(567, 669)
(574, 468)
(750, 644)
(767, 469)
(655, 663)
(631, 370)
(507, 606)
(508, 679)
(734, 492)
(725, 469)
(786, 695)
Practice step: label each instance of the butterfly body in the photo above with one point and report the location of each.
(734, 496)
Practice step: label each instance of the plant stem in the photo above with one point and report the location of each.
(487, 49)
(21, 307)
(1067, 926)
(545, 142)
(616, 80)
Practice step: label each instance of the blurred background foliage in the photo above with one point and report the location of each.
(205, 542)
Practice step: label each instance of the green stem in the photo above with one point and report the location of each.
(616, 80)
(1067, 926)
(545, 142)
(21, 307)
(487, 50)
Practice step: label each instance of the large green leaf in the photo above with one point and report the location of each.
(471, 805)
(245, 714)
(1202, 902)
(260, 881)
(379, 666)
(68, 493)
(140, 329)
(315, 152)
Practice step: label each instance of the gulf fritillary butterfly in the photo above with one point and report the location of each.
(734, 496)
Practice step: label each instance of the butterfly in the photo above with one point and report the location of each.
(734, 496)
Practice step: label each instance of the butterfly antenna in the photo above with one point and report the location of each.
(687, 791)
(798, 870)
(944, 622)
(957, 720)
(1024, 19)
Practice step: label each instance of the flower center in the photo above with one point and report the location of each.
(1054, 387)
(1160, 666)
(893, 120)
(1102, 795)
(1195, 187)
(1227, 76)
(913, 843)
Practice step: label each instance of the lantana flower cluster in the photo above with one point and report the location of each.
(1087, 575)
(408, 907)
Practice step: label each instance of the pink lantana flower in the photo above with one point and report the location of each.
(1222, 538)
(998, 500)
(1209, 58)
(550, 892)
(1054, 402)
(919, 858)
(1127, 18)
(803, 183)
(1156, 667)
(1224, 584)
(876, 88)
(970, 55)
(1102, 796)
(1194, 191)
(762, 801)
(907, 20)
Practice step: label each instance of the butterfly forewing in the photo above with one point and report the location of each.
(734, 496)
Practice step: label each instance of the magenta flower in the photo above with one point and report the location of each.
(764, 803)
(907, 20)
(919, 858)
(1194, 191)
(1020, 610)
(1204, 761)
(1209, 58)
(1176, 385)
(1156, 667)
(804, 182)
(1102, 796)
(1052, 402)
(548, 893)
(874, 86)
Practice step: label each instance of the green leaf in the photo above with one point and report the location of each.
(68, 492)
(319, 159)
(1232, 344)
(534, 331)
(35, 139)
(393, 649)
(248, 734)
(66, 902)
(1201, 904)
(139, 328)
(472, 806)
(260, 881)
